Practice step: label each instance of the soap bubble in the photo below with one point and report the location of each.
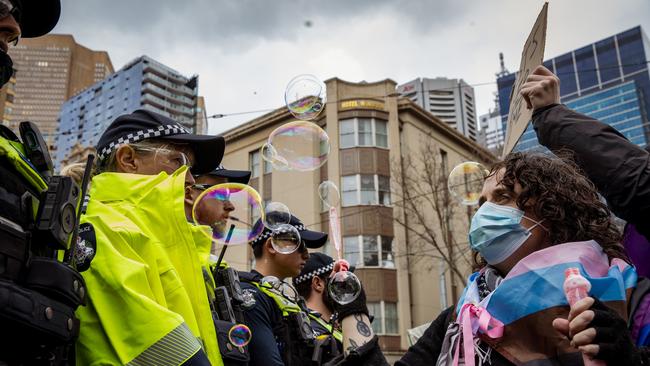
(225, 208)
(285, 239)
(299, 145)
(305, 97)
(240, 335)
(466, 182)
(329, 194)
(344, 287)
(276, 214)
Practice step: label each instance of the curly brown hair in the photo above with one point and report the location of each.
(563, 197)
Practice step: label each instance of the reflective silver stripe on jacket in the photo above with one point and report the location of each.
(173, 349)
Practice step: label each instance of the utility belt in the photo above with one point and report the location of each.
(38, 298)
(296, 338)
(225, 295)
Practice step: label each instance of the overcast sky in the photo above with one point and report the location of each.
(246, 51)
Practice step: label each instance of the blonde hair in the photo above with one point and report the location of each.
(75, 171)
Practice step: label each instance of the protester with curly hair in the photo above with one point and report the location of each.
(538, 216)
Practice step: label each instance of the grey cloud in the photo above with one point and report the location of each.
(242, 23)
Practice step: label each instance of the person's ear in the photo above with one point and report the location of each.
(317, 284)
(269, 248)
(126, 159)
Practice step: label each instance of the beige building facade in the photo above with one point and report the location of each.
(49, 70)
(371, 130)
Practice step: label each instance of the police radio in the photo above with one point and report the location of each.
(36, 149)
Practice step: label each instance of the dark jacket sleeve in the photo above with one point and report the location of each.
(619, 169)
(199, 359)
(427, 349)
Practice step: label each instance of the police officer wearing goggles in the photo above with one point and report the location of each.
(38, 293)
(281, 331)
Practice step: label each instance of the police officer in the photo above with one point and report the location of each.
(221, 281)
(311, 284)
(214, 211)
(147, 299)
(38, 293)
(282, 334)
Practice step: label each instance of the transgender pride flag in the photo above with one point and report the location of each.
(531, 296)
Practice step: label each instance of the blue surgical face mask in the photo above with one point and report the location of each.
(496, 231)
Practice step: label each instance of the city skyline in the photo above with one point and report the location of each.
(245, 59)
(608, 79)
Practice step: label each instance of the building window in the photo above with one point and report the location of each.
(381, 133)
(363, 132)
(254, 163)
(268, 167)
(369, 251)
(349, 190)
(365, 189)
(346, 133)
(385, 313)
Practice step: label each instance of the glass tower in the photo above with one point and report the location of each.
(607, 80)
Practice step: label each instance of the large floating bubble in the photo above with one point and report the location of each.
(466, 182)
(240, 335)
(344, 287)
(299, 145)
(305, 97)
(225, 208)
(329, 194)
(276, 214)
(285, 239)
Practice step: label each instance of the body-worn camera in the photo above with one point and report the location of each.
(229, 278)
(57, 214)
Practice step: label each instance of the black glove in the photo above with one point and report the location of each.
(358, 306)
(613, 338)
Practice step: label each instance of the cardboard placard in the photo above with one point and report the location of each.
(531, 57)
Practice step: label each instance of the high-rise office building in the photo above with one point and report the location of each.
(49, 70)
(370, 140)
(201, 117)
(451, 100)
(608, 80)
(491, 135)
(142, 83)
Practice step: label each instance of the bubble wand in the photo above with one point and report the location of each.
(335, 232)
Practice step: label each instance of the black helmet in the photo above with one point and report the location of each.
(37, 17)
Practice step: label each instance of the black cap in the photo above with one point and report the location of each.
(37, 17)
(312, 239)
(144, 124)
(235, 176)
(317, 264)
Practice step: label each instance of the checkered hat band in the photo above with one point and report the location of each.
(317, 272)
(267, 233)
(164, 130)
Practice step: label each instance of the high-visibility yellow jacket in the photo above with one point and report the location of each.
(147, 298)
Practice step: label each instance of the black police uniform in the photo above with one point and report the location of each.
(278, 339)
(38, 293)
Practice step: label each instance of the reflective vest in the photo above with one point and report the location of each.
(330, 329)
(146, 287)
